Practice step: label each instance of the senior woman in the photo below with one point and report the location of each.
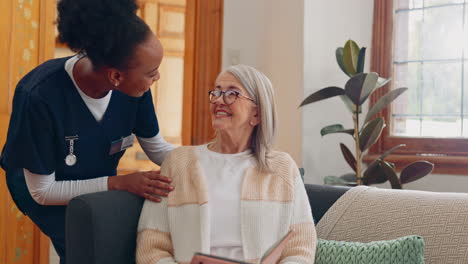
(235, 196)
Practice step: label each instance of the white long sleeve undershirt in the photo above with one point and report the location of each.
(224, 174)
(45, 190)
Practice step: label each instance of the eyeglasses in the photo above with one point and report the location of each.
(229, 96)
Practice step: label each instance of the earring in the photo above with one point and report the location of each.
(252, 123)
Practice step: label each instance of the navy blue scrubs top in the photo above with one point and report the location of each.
(47, 108)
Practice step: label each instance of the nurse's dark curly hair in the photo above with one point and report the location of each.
(107, 31)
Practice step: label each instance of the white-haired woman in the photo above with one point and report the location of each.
(235, 196)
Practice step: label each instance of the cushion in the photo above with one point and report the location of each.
(407, 250)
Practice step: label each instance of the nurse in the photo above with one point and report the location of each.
(74, 117)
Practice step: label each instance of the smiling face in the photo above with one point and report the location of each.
(143, 68)
(239, 117)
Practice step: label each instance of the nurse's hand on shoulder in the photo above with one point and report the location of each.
(145, 184)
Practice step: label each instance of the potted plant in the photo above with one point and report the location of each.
(366, 130)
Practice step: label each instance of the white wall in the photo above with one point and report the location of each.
(268, 35)
(294, 43)
(243, 32)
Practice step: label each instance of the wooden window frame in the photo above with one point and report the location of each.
(450, 155)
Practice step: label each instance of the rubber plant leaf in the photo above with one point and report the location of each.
(374, 174)
(350, 105)
(384, 101)
(385, 154)
(371, 133)
(337, 128)
(350, 57)
(382, 81)
(333, 180)
(361, 60)
(388, 152)
(349, 157)
(416, 171)
(339, 60)
(391, 175)
(354, 86)
(350, 178)
(323, 94)
(369, 86)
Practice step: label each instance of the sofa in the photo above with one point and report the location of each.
(101, 227)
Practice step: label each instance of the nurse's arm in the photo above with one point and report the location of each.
(150, 184)
(156, 148)
(45, 190)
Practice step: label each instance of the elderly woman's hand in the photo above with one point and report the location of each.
(149, 184)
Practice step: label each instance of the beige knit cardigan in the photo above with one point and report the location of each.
(271, 204)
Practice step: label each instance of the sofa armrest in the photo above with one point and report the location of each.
(322, 197)
(102, 227)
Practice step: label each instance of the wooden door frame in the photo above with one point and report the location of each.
(40, 252)
(202, 64)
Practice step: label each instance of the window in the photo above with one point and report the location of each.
(429, 59)
(423, 45)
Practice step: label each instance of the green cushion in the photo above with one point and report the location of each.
(407, 250)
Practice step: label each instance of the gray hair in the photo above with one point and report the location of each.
(260, 89)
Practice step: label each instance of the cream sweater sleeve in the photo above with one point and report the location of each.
(154, 244)
(301, 247)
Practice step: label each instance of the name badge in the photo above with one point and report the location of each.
(121, 144)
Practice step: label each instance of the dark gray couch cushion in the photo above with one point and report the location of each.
(101, 228)
(322, 197)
